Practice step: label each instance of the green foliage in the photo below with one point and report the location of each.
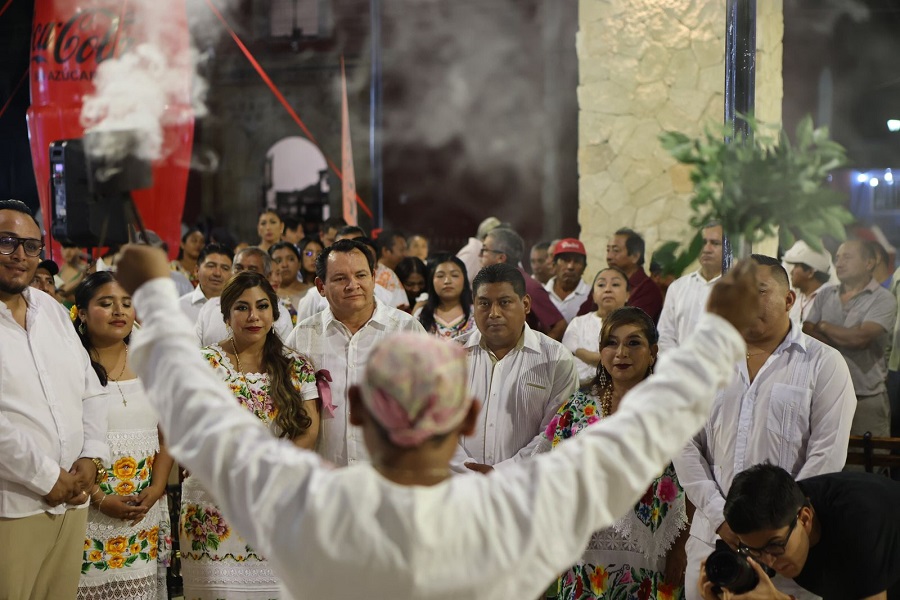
(763, 185)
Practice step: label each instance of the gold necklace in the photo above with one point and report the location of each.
(749, 354)
(122, 372)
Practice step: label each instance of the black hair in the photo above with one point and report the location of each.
(386, 239)
(19, 206)
(500, 273)
(215, 249)
(351, 230)
(345, 247)
(84, 293)
(333, 223)
(509, 243)
(291, 418)
(775, 267)
(283, 246)
(184, 239)
(763, 497)
(291, 223)
(627, 315)
(540, 246)
(308, 276)
(821, 277)
(426, 317)
(370, 244)
(617, 270)
(634, 243)
(406, 267)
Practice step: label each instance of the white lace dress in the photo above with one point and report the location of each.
(217, 563)
(121, 561)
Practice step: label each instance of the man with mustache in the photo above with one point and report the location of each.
(213, 271)
(566, 288)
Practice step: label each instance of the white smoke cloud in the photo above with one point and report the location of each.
(152, 82)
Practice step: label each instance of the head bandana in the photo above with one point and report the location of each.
(415, 387)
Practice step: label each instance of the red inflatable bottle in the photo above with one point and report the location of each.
(68, 43)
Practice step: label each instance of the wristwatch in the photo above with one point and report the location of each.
(101, 471)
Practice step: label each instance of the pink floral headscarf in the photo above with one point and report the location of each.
(415, 387)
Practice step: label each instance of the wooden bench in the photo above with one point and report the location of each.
(868, 458)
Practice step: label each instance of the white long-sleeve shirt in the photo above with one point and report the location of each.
(52, 408)
(685, 303)
(584, 332)
(796, 414)
(191, 303)
(519, 395)
(210, 326)
(329, 345)
(350, 533)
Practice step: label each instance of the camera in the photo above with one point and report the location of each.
(728, 569)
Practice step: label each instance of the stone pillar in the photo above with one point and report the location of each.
(646, 66)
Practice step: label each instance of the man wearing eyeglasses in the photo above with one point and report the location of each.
(835, 535)
(790, 401)
(52, 425)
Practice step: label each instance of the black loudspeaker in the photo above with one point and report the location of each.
(89, 210)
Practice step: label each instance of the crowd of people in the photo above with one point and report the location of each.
(358, 416)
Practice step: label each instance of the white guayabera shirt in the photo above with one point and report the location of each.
(52, 408)
(350, 533)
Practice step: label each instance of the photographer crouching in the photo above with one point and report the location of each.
(836, 535)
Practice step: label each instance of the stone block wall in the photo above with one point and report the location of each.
(647, 66)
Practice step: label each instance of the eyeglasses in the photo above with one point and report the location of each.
(774, 548)
(32, 247)
(311, 253)
(483, 250)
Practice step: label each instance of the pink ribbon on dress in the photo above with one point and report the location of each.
(323, 379)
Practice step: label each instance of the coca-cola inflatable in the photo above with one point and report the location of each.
(69, 41)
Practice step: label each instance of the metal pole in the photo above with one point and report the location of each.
(740, 81)
(376, 116)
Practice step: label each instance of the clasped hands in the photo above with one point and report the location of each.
(72, 487)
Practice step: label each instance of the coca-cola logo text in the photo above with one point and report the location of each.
(90, 34)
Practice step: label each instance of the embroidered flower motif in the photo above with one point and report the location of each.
(95, 556)
(599, 578)
(667, 490)
(125, 468)
(124, 488)
(664, 591)
(116, 562)
(87, 544)
(116, 545)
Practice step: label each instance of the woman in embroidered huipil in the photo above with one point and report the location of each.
(278, 386)
(126, 546)
(448, 312)
(642, 555)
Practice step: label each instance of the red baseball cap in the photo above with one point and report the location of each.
(569, 246)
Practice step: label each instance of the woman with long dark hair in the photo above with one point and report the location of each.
(412, 272)
(642, 555)
(126, 549)
(310, 249)
(277, 385)
(270, 228)
(192, 244)
(448, 312)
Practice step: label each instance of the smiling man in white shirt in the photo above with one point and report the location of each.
(52, 425)
(213, 271)
(789, 402)
(338, 340)
(521, 376)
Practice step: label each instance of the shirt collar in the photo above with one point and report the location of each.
(699, 277)
(197, 296)
(380, 316)
(527, 341)
(581, 289)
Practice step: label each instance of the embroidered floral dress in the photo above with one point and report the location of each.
(192, 277)
(461, 326)
(628, 559)
(217, 563)
(121, 560)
